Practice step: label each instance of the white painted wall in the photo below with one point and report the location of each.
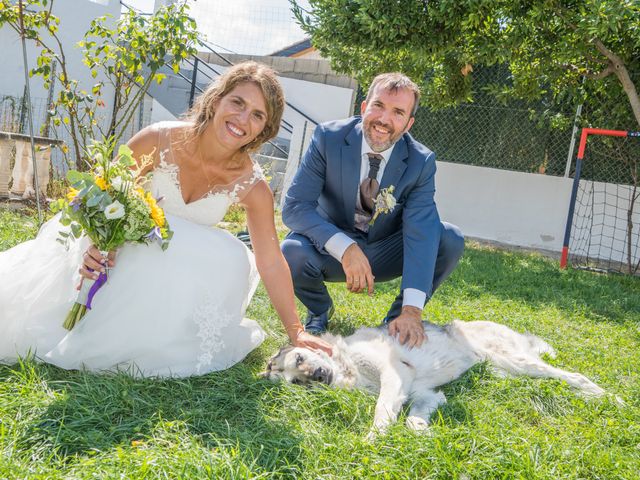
(319, 101)
(75, 18)
(523, 209)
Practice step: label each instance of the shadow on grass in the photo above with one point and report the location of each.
(100, 413)
(536, 281)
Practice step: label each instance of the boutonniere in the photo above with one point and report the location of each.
(385, 202)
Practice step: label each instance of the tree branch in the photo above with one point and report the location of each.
(619, 68)
(600, 75)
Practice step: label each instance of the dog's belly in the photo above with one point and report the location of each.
(438, 361)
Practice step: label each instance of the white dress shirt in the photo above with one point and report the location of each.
(338, 244)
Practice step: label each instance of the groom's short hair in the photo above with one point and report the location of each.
(393, 82)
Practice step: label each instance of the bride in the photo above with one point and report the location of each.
(178, 312)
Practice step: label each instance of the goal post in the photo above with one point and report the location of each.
(584, 137)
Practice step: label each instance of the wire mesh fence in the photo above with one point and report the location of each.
(14, 115)
(514, 135)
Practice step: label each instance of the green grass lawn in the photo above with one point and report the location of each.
(232, 424)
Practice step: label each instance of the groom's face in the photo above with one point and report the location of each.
(386, 116)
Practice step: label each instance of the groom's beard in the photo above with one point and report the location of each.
(381, 147)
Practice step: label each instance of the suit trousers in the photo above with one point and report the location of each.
(310, 268)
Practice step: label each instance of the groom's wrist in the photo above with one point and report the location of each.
(338, 244)
(413, 297)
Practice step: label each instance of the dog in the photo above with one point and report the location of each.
(372, 360)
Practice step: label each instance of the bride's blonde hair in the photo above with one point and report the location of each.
(261, 75)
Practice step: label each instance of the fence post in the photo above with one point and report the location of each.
(572, 145)
(194, 75)
(300, 139)
(47, 118)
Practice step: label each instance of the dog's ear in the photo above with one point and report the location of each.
(267, 372)
(283, 351)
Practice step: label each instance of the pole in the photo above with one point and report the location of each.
(572, 145)
(29, 114)
(194, 75)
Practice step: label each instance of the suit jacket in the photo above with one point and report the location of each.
(322, 198)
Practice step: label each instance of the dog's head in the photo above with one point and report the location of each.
(301, 366)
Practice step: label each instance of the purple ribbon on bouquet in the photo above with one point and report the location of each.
(97, 284)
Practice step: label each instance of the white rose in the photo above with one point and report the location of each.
(113, 211)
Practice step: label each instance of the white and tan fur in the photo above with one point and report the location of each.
(372, 360)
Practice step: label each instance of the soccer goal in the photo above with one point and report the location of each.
(603, 224)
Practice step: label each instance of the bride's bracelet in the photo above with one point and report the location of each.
(294, 331)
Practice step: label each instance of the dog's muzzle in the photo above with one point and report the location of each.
(322, 375)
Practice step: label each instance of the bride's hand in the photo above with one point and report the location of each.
(306, 340)
(93, 262)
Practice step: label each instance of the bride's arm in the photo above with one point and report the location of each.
(272, 266)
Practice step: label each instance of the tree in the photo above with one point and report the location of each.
(130, 56)
(549, 46)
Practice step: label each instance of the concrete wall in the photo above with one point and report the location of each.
(75, 18)
(523, 209)
(300, 68)
(318, 101)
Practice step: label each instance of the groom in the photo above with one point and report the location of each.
(348, 167)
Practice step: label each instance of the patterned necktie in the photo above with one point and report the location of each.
(369, 186)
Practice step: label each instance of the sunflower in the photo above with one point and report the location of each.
(101, 183)
(157, 214)
(72, 194)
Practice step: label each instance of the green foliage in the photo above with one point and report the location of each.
(128, 55)
(548, 45)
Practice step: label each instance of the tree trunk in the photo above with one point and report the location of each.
(618, 67)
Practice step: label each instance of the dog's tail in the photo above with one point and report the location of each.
(539, 346)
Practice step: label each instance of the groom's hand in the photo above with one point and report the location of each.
(408, 327)
(357, 270)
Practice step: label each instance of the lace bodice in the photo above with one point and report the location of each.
(211, 208)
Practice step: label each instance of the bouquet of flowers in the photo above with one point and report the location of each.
(109, 205)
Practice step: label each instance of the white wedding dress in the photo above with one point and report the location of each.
(178, 312)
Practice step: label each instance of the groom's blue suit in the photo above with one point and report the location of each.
(410, 241)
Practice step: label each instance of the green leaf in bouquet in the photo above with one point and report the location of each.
(102, 231)
(76, 230)
(125, 156)
(94, 200)
(64, 234)
(75, 176)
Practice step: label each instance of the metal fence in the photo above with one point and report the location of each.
(13, 115)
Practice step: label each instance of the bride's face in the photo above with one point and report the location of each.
(240, 116)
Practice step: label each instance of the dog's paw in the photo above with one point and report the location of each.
(371, 436)
(417, 424)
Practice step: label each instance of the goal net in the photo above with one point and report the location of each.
(603, 224)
